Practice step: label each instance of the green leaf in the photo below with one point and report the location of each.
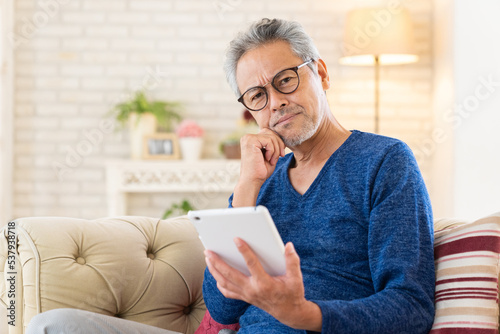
(178, 209)
(165, 112)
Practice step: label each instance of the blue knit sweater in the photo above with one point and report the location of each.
(363, 231)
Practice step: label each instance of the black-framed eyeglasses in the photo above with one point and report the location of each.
(286, 82)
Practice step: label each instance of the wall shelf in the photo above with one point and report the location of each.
(142, 176)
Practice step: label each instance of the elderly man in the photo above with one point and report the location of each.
(351, 206)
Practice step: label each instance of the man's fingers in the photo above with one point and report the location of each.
(228, 293)
(274, 150)
(278, 146)
(224, 274)
(266, 141)
(269, 152)
(251, 259)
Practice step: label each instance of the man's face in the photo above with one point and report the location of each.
(294, 117)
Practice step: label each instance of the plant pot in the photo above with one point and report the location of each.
(232, 150)
(191, 148)
(140, 126)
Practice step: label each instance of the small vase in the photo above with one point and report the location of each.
(140, 126)
(191, 148)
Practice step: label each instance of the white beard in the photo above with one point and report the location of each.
(309, 128)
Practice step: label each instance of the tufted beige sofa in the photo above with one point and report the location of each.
(142, 269)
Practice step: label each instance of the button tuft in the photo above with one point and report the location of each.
(80, 260)
(151, 256)
(187, 310)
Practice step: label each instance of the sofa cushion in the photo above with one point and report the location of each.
(467, 269)
(136, 268)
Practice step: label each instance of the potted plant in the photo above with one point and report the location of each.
(178, 209)
(190, 139)
(230, 146)
(144, 117)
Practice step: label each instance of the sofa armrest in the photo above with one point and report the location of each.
(137, 268)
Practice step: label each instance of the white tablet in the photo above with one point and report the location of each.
(218, 228)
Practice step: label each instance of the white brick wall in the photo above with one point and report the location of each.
(80, 57)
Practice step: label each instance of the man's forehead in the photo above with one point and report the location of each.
(259, 65)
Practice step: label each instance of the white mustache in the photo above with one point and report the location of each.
(281, 112)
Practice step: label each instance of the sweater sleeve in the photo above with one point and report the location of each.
(224, 310)
(400, 251)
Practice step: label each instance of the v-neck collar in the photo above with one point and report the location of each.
(322, 172)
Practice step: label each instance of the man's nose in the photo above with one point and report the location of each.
(277, 100)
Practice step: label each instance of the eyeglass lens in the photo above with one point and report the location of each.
(285, 82)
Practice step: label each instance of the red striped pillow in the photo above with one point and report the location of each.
(467, 270)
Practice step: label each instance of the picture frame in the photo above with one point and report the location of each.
(161, 146)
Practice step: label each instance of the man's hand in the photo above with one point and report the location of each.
(259, 154)
(281, 296)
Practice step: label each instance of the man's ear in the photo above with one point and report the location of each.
(323, 74)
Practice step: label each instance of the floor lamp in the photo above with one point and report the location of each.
(377, 37)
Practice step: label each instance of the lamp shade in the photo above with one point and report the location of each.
(378, 32)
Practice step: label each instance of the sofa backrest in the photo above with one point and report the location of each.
(137, 268)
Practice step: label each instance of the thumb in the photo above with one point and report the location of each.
(292, 260)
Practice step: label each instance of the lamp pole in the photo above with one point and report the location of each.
(377, 103)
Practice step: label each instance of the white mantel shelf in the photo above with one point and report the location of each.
(168, 176)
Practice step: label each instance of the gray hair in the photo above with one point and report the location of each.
(263, 32)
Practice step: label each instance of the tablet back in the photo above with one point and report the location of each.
(218, 228)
